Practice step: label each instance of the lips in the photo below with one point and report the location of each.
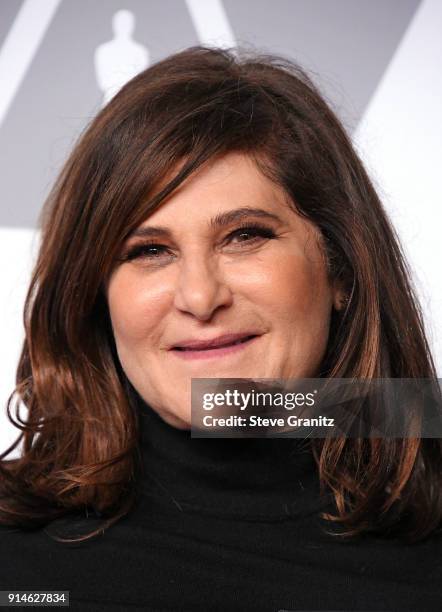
(220, 341)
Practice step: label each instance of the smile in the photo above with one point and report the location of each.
(210, 353)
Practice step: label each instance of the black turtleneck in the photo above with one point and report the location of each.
(249, 479)
(224, 525)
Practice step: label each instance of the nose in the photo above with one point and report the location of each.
(201, 288)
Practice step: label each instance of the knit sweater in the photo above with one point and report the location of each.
(224, 525)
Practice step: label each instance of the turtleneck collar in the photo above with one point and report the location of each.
(252, 478)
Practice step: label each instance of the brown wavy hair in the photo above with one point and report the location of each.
(80, 438)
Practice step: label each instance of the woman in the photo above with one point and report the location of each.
(215, 199)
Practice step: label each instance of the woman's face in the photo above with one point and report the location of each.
(193, 274)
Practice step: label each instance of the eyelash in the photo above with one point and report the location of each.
(141, 250)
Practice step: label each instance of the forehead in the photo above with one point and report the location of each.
(226, 183)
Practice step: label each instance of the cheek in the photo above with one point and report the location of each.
(291, 288)
(134, 309)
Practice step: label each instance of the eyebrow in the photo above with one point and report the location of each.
(219, 221)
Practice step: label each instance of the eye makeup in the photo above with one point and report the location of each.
(155, 250)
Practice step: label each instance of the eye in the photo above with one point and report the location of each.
(254, 232)
(246, 234)
(145, 251)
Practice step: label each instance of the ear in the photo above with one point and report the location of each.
(340, 296)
